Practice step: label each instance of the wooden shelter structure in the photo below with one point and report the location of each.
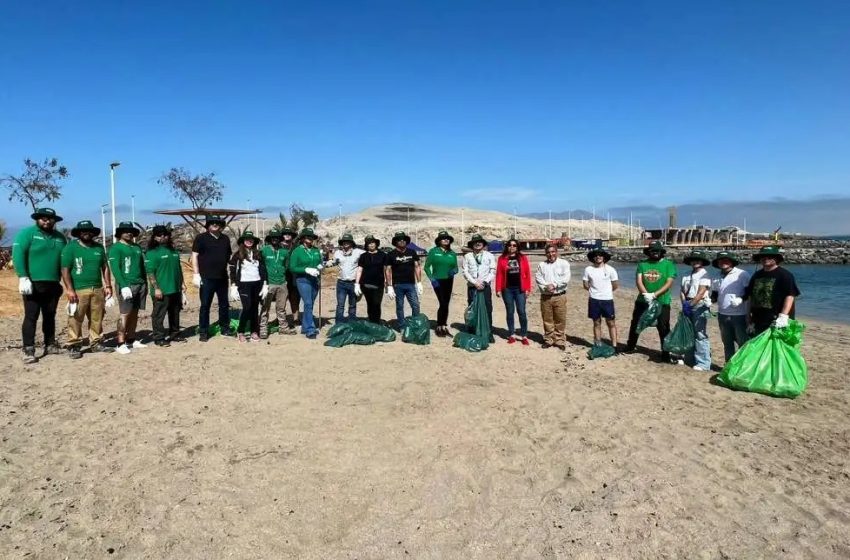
(195, 216)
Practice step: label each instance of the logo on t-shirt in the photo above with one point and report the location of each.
(78, 265)
(403, 259)
(652, 275)
(763, 293)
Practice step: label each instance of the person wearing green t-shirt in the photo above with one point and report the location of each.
(275, 256)
(305, 262)
(655, 276)
(36, 256)
(441, 268)
(165, 275)
(85, 273)
(127, 263)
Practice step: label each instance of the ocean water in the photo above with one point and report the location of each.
(825, 289)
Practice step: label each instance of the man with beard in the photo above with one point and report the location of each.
(210, 255)
(275, 256)
(655, 276)
(287, 244)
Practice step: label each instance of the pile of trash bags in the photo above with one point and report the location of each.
(417, 330)
(358, 332)
(478, 323)
(770, 364)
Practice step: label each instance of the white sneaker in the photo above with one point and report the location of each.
(680, 362)
(137, 344)
(123, 349)
(698, 368)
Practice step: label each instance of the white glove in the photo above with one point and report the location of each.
(24, 286)
(735, 301)
(126, 293)
(648, 297)
(390, 292)
(358, 291)
(781, 321)
(312, 271)
(196, 280)
(419, 288)
(320, 267)
(110, 302)
(72, 309)
(264, 291)
(184, 302)
(234, 293)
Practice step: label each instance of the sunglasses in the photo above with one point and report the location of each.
(512, 245)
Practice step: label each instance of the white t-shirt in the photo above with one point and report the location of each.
(733, 284)
(693, 282)
(250, 271)
(600, 280)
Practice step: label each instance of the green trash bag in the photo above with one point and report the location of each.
(600, 350)
(468, 341)
(417, 330)
(477, 321)
(215, 329)
(338, 329)
(649, 318)
(770, 363)
(350, 337)
(379, 332)
(682, 338)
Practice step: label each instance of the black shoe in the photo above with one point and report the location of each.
(163, 343)
(55, 349)
(177, 338)
(203, 337)
(629, 350)
(228, 332)
(100, 348)
(546, 345)
(75, 352)
(29, 355)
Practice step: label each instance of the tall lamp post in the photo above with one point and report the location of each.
(133, 207)
(103, 224)
(112, 167)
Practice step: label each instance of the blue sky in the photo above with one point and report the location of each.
(502, 105)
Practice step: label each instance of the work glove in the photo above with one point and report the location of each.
(648, 297)
(314, 272)
(196, 280)
(320, 267)
(126, 293)
(390, 292)
(25, 286)
(109, 302)
(72, 309)
(435, 283)
(264, 291)
(735, 301)
(184, 301)
(234, 292)
(687, 308)
(419, 289)
(781, 321)
(358, 291)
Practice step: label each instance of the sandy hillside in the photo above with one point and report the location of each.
(293, 450)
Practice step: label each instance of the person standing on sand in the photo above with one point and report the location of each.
(370, 277)
(654, 278)
(772, 291)
(248, 283)
(210, 255)
(127, 262)
(347, 258)
(37, 256)
(85, 273)
(275, 258)
(287, 244)
(479, 270)
(305, 262)
(168, 291)
(513, 285)
(440, 268)
(729, 292)
(403, 277)
(601, 281)
(695, 296)
(553, 277)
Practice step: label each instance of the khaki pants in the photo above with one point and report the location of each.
(278, 295)
(554, 311)
(90, 306)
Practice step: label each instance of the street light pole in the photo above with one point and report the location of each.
(133, 207)
(112, 167)
(103, 224)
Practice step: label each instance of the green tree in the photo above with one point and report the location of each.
(198, 190)
(299, 217)
(40, 181)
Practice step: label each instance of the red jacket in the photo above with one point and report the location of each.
(502, 273)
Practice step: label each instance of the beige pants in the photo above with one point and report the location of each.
(279, 296)
(554, 311)
(90, 306)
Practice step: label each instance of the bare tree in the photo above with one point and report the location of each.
(197, 190)
(40, 181)
(298, 218)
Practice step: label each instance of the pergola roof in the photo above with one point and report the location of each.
(190, 215)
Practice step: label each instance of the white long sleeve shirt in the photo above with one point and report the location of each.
(479, 268)
(557, 273)
(732, 284)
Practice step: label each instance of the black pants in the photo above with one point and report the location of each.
(488, 300)
(663, 325)
(169, 306)
(373, 297)
(249, 295)
(44, 299)
(292, 292)
(444, 297)
(214, 287)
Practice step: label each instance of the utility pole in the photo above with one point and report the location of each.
(550, 224)
(133, 207)
(570, 224)
(112, 167)
(103, 224)
(462, 229)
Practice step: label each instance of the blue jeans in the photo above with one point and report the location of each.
(701, 354)
(210, 288)
(308, 289)
(515, 298)
(345, 290)
(403, 291)
(733, 330)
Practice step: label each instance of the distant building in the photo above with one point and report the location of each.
(697, 235)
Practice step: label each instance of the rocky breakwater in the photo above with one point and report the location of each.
(827, 253)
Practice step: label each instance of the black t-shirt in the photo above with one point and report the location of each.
(373, 268)
(403, 266)
(213, 255)
(767, 292)
(513, 273)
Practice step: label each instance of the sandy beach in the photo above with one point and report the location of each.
(288, 449)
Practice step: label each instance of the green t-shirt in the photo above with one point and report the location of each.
(655, 275)
(275, 260)
(127, 263)
(164, 265)
(37, 254)
(302, 258)
(439, 264)
(85, 264)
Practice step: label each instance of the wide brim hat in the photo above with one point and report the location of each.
(346, 237)
(399, 235)
(477, 239)
(213, 219)
(443, 235)
(288, 231)
(307, 232)
(247, 234)
(85, 225)
(160, 230)
(697, 256)
(773, 251)
(274, 234)
(127, 227)
(725, 255)
(595, 252)
(655, 246)
(372, 239)
(45, 213)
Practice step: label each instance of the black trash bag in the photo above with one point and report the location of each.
(350, 337)
(468, 341)
(379, 332)
(417, 330)
(682, 338)
(649, 318)
(600, 350)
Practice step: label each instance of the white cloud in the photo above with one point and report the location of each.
(501, 194)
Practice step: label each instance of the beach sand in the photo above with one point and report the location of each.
(293, 450)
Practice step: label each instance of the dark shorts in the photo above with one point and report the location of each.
(140, 296)
(598, 308)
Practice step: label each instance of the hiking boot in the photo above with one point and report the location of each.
(264, 334)
(99, 348)
(29, 355)
(203, 337)
(75, 352)
(55, 349)
(177, 338)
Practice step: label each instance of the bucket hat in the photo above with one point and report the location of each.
(655, 246)
(443, 234)
(45, 213)
(725, 255)
(399, 235)
(248, 234)
(477, 239)
(346, 237)
(307, 232)
(774, 251)
(697, 256)
(372, 239)
(84, 225)
(595, 252)
(273, 233)
(127, 227)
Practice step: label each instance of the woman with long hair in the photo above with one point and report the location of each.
(165, 275)
(305, 262)
(441, 267)
(513, 285)
(370, 277)
(249, 283)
